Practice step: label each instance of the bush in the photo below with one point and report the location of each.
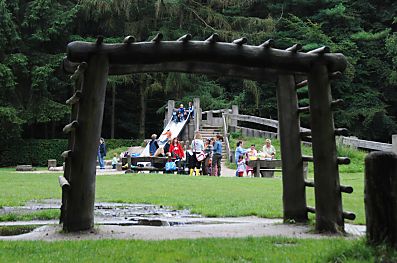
(38, 151)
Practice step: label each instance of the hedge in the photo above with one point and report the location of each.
(38, 151)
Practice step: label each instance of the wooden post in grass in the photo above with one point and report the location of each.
(294, 195)
(81, 196)
(394, 143)
(329, 213)
(380, 195)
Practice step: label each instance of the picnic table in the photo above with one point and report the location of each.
(266, 167)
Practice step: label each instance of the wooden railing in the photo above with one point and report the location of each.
(226, 138)
(228, 117)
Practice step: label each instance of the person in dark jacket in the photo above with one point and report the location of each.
(153, 145)
(101, 153)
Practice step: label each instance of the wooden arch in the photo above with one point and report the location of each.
(95, 61)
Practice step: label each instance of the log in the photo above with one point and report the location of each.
(346, 189)
(213, 38)
(380, 197)
(70, 127)
(142, 53)
(157, 38)
(309, 183)
(240, 41)
(295, 48)
(268, 43)
(63, 183)
(51, 163)
(74, 99)
(185, 38)
(320, 50)
(341, 132)
(24, 168)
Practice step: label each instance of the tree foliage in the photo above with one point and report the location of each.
(34, 33)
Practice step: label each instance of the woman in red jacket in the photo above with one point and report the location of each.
(176, 149)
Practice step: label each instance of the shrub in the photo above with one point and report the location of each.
(38, 151)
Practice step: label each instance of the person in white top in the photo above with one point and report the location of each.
(268, 149)
(198, 148)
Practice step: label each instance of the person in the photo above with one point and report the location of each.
(153, 145)
(191, 110)
(101, 153)
(162, 150)
(175, 116)
(239, 151)
(208, 149)
(114, 161)
(269, 151)
(241, 166)
(198, 148)
(252, 153)
(181, 113)
(177, 151)
(167, 135)
(190, 158)
(217, 156)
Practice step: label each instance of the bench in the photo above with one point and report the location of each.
(266, 168)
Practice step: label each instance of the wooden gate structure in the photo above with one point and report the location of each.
(95, 61)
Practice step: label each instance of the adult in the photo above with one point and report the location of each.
(217, 156)
(269, 151)
(208, 148)
(153, 145)
(101, 153)
(239, 151)
(162, 150)
(198, 148)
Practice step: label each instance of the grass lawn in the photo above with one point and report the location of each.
(208, 196)
(265, 249)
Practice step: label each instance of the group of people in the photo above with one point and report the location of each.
(181, 114)
(242, 156)
(200, 155)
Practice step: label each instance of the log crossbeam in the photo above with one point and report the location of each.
(186, 52)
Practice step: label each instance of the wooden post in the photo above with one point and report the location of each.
(234, 112)
(294, 195)
(197, 113)
(381, 197)
(210, 118)
(329, 213)
(170, 109)
(394, 143)
(80, 203)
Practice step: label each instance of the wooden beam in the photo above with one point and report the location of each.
(320, 50)
(346, 189)
(70, 127)
(268, 43)
(185, 38)
(142, 53)
(240, 41)
(75, 98)
(213, 38)
(157, 38)
(63, 183)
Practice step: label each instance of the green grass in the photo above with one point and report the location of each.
(265, 249)
(45, 214)
(209, 196)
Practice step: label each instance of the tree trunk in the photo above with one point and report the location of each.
(113, 112)
(143, 112)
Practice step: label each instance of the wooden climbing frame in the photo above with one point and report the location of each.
(91, 63)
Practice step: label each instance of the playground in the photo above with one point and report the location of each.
(198, 131)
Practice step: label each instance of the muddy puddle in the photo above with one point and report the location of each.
(106, 213)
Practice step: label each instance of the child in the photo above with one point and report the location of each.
(241, 166)
(114, 161)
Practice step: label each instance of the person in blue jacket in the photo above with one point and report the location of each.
(101, 153)
(153, 145)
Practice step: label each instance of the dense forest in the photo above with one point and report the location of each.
(34, 35)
